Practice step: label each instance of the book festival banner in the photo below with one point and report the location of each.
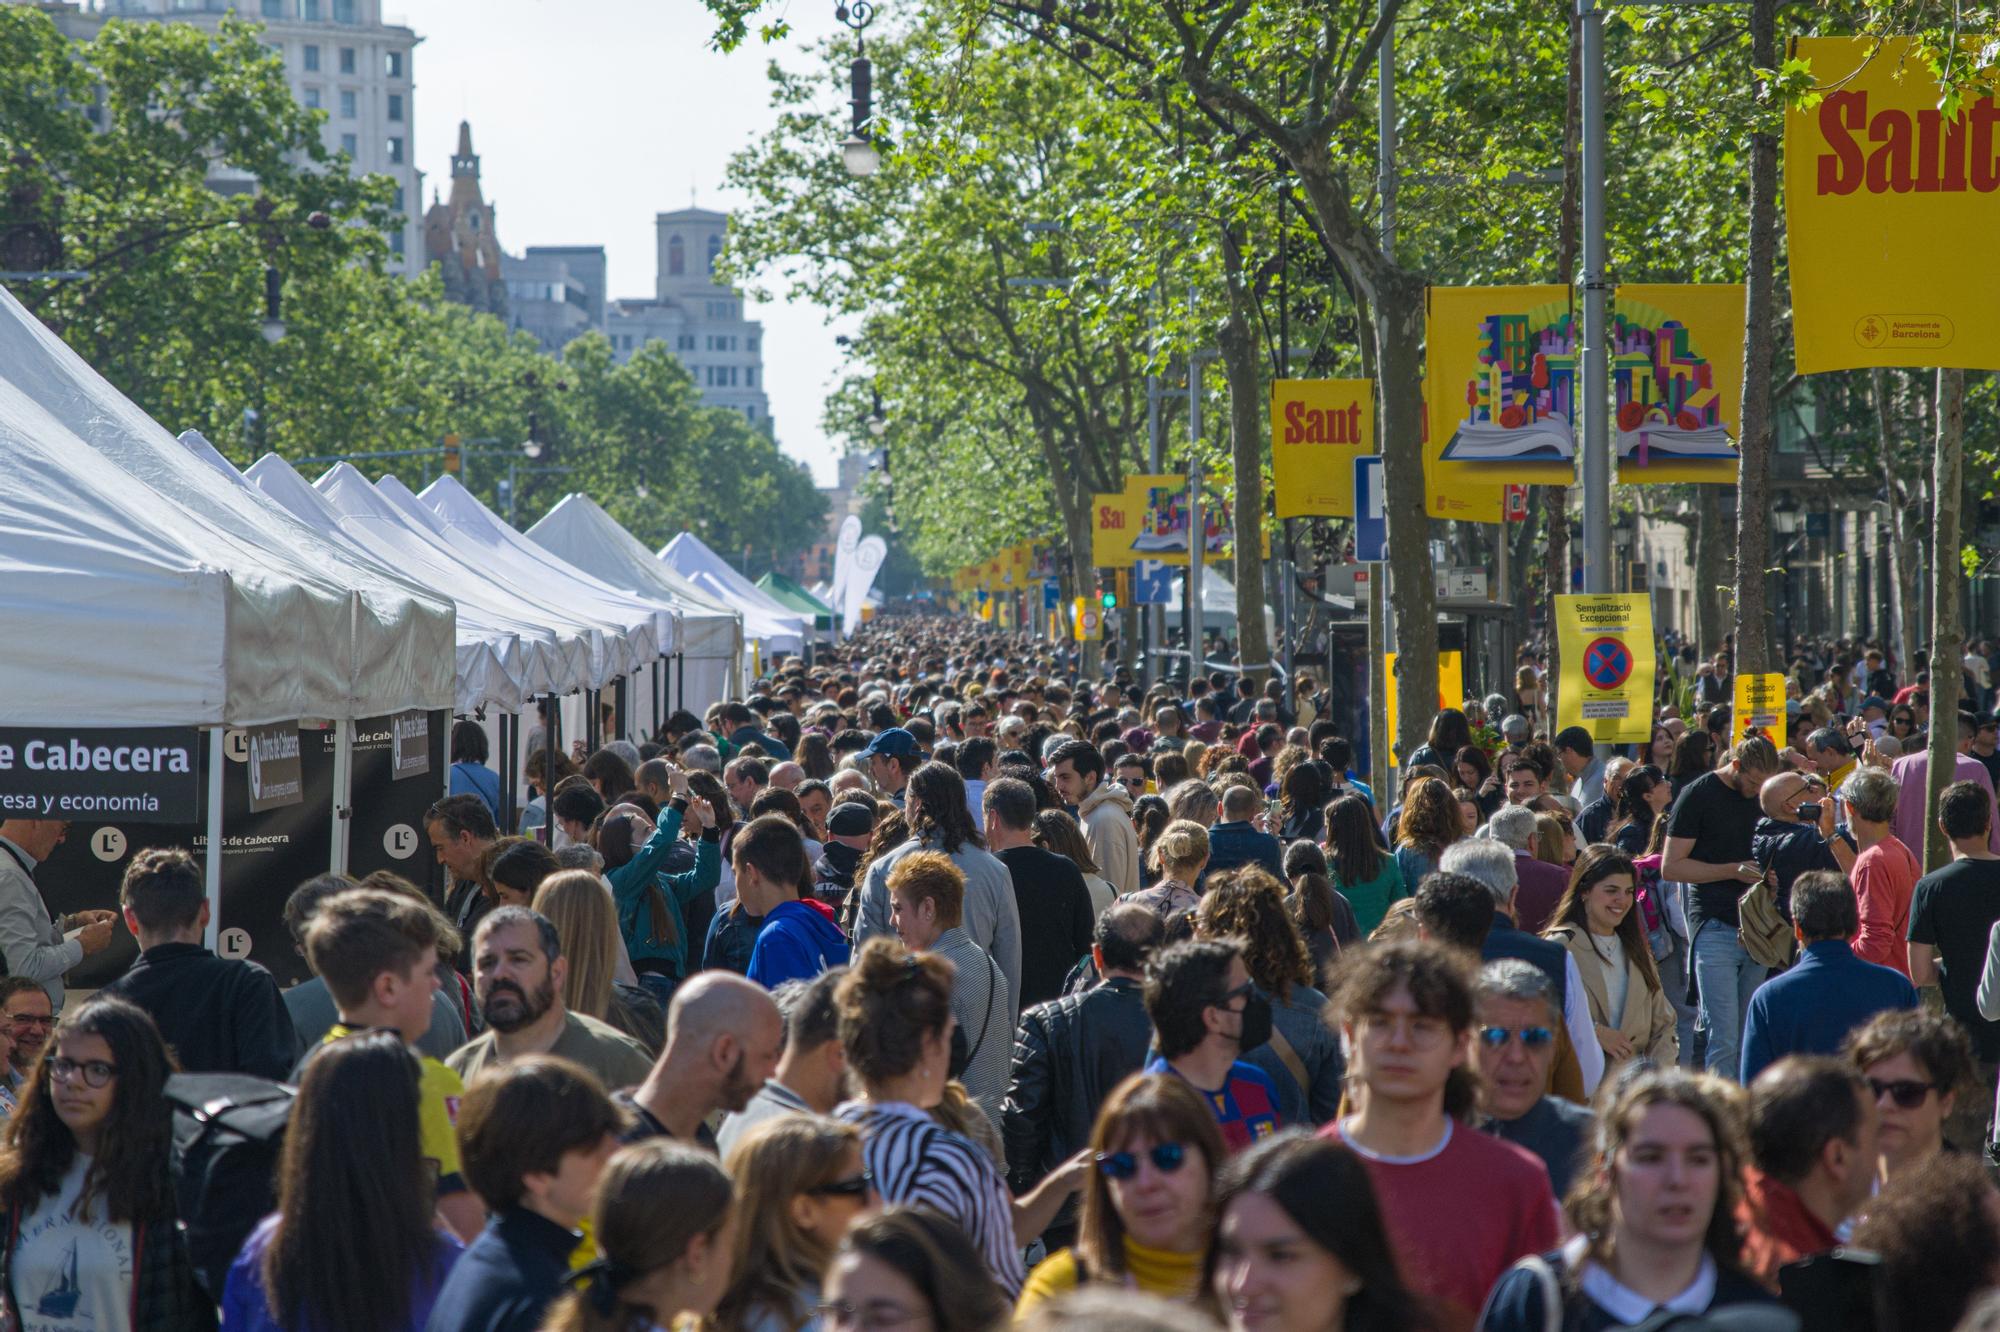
(1318, 428)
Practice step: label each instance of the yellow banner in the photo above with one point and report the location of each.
(1318, 428)
(1677, 381)
(1759, 710)
(1890, 213)
(1451, 691)
(1086, 620)
(1149, 522)
(1606, 645)
(1502, 389)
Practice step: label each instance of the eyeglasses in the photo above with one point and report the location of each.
(1907, 1093)
(855, 1186)
(1534, 1038)
(1166, 1157)
(96, 1073)
(1243, 991)
(31, 1019)
(878, 1314)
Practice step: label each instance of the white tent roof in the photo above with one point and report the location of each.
(580, 531)
(554, 651)
(163, 546)
(1218, 599)
(764, 620)
(489, 656)
(460, 509)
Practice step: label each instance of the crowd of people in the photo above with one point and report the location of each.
(927, 988)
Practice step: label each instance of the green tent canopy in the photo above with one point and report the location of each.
(793, 597)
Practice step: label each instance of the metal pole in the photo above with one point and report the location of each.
(211, 861)
(1381, 631)
(549, 771)
(343, 792)
(1156, 616)
(1287, 607)
(1197, 547)
(1592, 406)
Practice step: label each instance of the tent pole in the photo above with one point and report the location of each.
(507, 775)
(212, 860)
(549, 772)
(681, 674)
(343, 789)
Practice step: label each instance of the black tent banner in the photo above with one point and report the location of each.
(145, 775)
(386, 831)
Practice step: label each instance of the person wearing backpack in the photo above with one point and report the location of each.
(347, 1248)
(1654, 1226)
(86, 1190)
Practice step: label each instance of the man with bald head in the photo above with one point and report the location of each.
(787, 776)
(724, 1037)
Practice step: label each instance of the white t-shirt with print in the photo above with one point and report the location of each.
(73, 1273)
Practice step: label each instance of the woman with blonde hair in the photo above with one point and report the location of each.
(577, 903)
(1555, 839)
(1428, 823)
(1146, 1206)
(1195, 801)
(1597, 921)
(665, 1226)
(1180, 856)
(799, 1185)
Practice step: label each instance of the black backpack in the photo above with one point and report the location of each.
(228, 1131)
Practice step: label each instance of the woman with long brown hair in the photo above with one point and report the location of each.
(1146, 1218)
(1428, 823)
(1368, 876)
(799, 1184)
(1597, 921)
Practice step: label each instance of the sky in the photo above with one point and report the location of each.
(590, 116)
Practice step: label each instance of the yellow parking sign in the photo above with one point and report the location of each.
(1606, 684)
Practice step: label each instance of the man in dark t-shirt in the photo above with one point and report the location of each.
(1952, 915)
(1708, 847)
(1056, 918)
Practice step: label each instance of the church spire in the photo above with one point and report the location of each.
(465, 162)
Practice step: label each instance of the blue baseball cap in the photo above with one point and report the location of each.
(895, 742)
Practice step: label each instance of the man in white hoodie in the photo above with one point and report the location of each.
(1104, 808)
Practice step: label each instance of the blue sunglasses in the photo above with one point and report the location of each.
(1167, 1157)
(1533, 1037)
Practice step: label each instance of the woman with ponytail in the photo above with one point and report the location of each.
(665, 1228)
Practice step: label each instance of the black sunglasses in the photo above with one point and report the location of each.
(1907, 1093)
(854, 1186)
(1167, 1157)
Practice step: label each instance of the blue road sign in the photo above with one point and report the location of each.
(1371, 523)
(1051, 594)
(1152, 585)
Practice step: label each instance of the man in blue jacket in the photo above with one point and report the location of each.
(741, 724)
(1829, 992)
(798, 939)
(1235, 841)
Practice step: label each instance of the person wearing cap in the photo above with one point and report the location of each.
(891, 757)
(849, 826)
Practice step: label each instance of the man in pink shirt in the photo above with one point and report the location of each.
(1885, 874)
(1912, 772)
(1460, 1207)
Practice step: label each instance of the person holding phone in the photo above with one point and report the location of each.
(1797, 833)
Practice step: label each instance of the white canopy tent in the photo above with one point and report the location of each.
(765, 622)
(491, 671)
(711, 651)
(313, 632)
(554, 652)
(1218, 601)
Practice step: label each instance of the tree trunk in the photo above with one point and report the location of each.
(1711, 570)
(1947, 634)
(1247, 423)
(1399, 326)
(1901, 499)
(1753, 494)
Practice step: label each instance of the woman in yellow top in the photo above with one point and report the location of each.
(1597, 920)
(1146, 1207)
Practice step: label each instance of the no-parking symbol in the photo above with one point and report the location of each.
(1607, 663)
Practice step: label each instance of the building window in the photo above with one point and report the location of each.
(350, 145)
(676, 257)
(347, 60)
(396, 241)
(396, 156)
(272, 9)
(750, 377)
(750, 344)
(398, 204)
(714, 249)
(311, 11)
(347, 103)
(749, 413)
(395, 106)
(686, 342)
(312, 98)
(343, 11)
(311, 59)
(395, 64)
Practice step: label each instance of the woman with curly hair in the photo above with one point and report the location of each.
(1654, 1220)
(1429, 822)
(1303, 1055)
(86, 1185)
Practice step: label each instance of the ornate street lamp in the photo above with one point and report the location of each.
(857, 150)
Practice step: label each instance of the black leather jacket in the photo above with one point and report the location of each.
(1068, 1055)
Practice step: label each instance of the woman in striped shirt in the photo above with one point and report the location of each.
(895, 1026)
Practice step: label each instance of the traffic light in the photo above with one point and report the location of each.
(1110, 599)
(451, 454)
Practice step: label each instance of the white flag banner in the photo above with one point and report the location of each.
(868, 557)
(843, 560)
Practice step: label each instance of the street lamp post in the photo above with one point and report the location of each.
(857, 151)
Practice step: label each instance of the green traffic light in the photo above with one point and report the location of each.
(1111, 601)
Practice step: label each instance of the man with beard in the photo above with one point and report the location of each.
(724, 1037)
(849, 827)
(26, 1018)
(518, 972)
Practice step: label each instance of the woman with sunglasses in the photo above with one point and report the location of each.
(1155, 1148)
(1300, 1245)
(1596, 921)
(85, 1183)
(1917, 1064)
(1654, 1223)
(800, 1184)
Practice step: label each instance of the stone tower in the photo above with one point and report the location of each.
(459, 236)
